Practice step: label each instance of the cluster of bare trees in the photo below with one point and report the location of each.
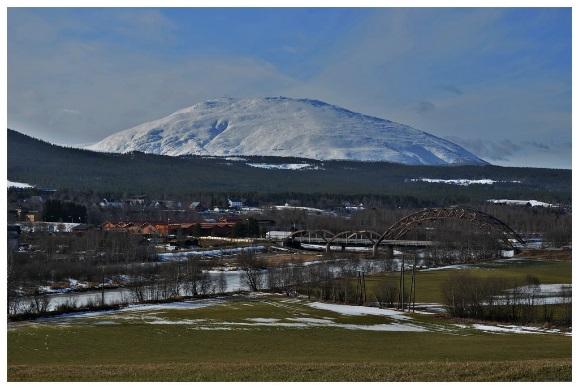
(336, 281)
(500, 299)
(178, 279)
(57, 257)
(253, 270)
(36, 304)
(388, 295)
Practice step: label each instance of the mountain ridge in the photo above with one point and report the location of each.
(282, 126)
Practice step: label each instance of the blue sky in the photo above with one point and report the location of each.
(497, 81)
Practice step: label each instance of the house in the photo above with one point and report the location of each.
(235, 203)
(161, 228)
(32, 216)
(353, 207)
(132, 228)
(148, 229)
(196, 206)
(277, 235)
(229, 219)
(110, 204)
(135, 201)
(121, 226)
(107, 226)
(19, 214)
(166, 204)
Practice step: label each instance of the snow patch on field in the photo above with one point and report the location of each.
(394, 327)
(237, 159)
(546, 289)
(532, 203)
(193, 304)
(462, 181)
(176, 322)
(311, 320)
(264, 320)
(306, 209)
(20, 185)
(517, 329)
(463, 266)
(544, 293)
(285, 166)
(356, 310)
(179, 305)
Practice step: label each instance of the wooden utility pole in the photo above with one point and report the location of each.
(364, 289)
(401, 287)
(358, 288)
(413, 287)
(103, 285)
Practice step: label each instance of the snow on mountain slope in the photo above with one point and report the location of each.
(279, 126)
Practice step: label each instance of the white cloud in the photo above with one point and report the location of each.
(110, 89)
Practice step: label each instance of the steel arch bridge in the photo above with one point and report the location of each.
(482, 220)
(395, 234)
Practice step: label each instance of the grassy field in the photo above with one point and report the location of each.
(543, 370)
(265, 337)
(429, 283)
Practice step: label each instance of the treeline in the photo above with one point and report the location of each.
(63, 211)
(504, 300)
(45, 165)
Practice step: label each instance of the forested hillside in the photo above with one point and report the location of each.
(44, 165)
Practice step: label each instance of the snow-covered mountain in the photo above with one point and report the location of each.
(280, 126)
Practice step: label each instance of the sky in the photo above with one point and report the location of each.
(495, 80)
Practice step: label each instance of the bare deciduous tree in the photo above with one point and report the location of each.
(252, 268)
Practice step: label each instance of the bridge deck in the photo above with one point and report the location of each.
(365, 242)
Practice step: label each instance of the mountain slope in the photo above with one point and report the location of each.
(285, 127)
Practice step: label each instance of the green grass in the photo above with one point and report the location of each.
(146, 343)
(224, 342)
(543, 370)
(269, 308)
(126, 346)
(429, 283)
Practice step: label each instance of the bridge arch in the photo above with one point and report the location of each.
(372, 236)
(319, 234)
(481, 219)
(369, 235)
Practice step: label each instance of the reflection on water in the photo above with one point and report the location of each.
(233, 278)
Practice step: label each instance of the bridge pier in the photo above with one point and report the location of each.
(388, 251)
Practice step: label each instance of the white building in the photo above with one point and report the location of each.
(235, 203)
